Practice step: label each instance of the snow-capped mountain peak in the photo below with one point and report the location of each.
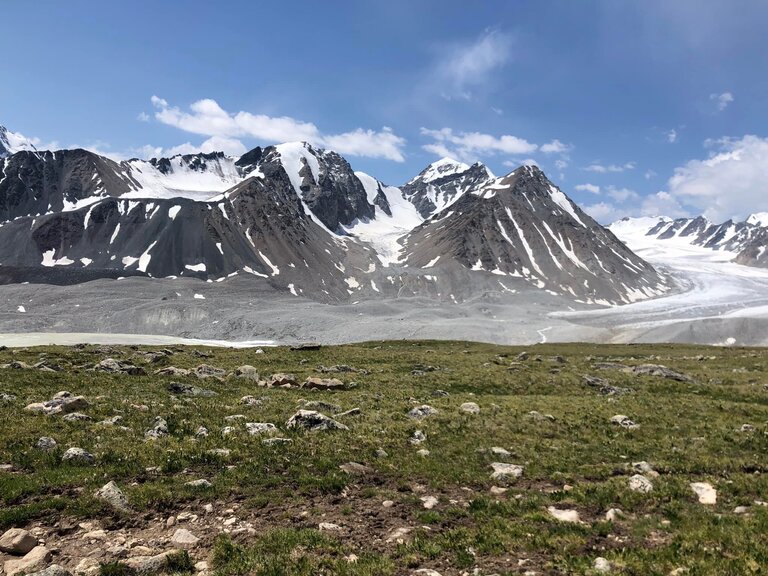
(758, 219)
(441, 168)
(12, 142)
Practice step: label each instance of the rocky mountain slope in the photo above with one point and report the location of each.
(746, 241)
(302, 220)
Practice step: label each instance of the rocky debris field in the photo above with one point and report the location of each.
(432, 458)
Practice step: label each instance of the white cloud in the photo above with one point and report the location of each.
(604, 169)
(662, 204)
(604, 212)
(731, 183)
(622, 194)
(207, 118)
(721, 100)
(143, 117)
(650, 174)
(469, 146)
(555, 147)
(659, 204)
(463, 67)
(671, 136)
(591, 188)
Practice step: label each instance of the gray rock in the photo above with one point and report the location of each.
(182, 389)
(504, 471)
(470, 408)
(17, 541)
(61, 403)
(52, 570)
(257, 428)
(208, 371)
(150, 564)
(172, 371)
(118, 367)
(420, 412)
(184, 538)
(6, 398)
(418, 437)
(313, 383)
(33, 561)
(624, 422)
(282, 380)
(250, 401)
(321, 405)
(158, 430)
(201, 432)
(639, 483)
(311, 420)
(78, 455)
(247, 372)
(661, 371)
(276, 441)
(76, 417)
(201, 483)
(45, 443)
(112, 495)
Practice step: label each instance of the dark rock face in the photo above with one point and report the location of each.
(748, 240)
(72, 216)
(443, 182)
(522, 226)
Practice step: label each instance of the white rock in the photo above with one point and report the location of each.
(470, 408)
(504, 471)
(34, 560)
(602, 565)
(639, 483)
(614, 514)
(429, 502)
(564, 515)
(498, 451)
(17, 542)
(706, 493)
(184, 538)
(328, 526)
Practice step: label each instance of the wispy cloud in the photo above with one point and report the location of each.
(471, 146)
(671, 136)
(721, 100)
(207, 118)
(591, 188)
(464, 67)
(610, 168)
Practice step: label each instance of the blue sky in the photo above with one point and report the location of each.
(632, 107)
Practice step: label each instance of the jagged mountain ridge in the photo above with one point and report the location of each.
(301, 219)
(746, 240)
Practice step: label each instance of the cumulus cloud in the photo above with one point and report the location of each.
(610, 168)
(659, 204)
(622, 194)
(591, 188)
(555, 147)
(464, 67)
(470, 146)
(731, 183)
(721, 100)
(206, 117)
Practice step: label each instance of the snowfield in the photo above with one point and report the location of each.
(719, 302)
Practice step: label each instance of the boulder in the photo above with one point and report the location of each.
(184, 538)
(661, 372)
(33, 561)
(208, 371)
(78, 456)
(311, 420)
(189, 390)
(112, 495)
(61, 403)
(17, 541)
(281, 379)
(417, 437)
(172, 371)
(158, 430)
(45, 443)
(624, 422)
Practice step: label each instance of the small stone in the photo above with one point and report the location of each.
(184, 538)
(644, 468)
(429, 502)
(498, 451)
(201, 483)
(171, 521)
(421, 412)
(423, 452)
(328, 526)
(602, 565)
(639, 483)
(427, 572)
(624, 421)
(470, 408)
(398, 535)
(149, 564)
(355, 468)
(158, 430)
(276, 441)
(564, 515)
(747, 428)
(614, 514)
(417, 437)
(247, 372)
(504, 471)
(311, 420)
(498, 490)
(78, 455)
(313, 383)
(87, 567)
(741, 510)
(706, 493)
(381, 453)
(201, 432)
(388, 503)
(17, 541)
(208, 508)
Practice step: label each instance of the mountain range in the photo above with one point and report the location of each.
(302, 220)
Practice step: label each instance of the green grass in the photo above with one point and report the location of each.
(689, 431)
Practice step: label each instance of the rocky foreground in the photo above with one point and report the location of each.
(383, 458)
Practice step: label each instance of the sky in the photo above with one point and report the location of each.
(632, 107)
